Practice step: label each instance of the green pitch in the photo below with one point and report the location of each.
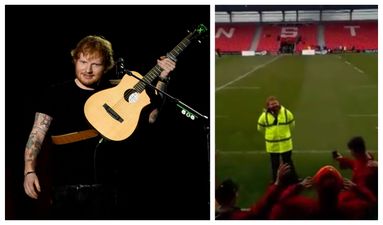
(333, 98)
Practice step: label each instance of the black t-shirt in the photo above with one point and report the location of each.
(65, 104)
(74, 163)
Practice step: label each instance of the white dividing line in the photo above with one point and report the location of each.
(355, 67)
(359, 70)
(242, 88)
(261, 152)
(364, 86)
(362, 115)
(246, 74)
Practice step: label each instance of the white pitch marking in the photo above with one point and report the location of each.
(355, 67)
(315, 151)
(364, 86)
(362, 115)
(242, 88)
(246, 74)
(359, 70)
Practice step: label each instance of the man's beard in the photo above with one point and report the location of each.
(276, 109)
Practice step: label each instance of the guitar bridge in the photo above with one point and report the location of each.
(113, 113)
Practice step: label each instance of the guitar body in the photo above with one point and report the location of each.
(115, 112)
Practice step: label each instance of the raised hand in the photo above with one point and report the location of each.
(167, 65)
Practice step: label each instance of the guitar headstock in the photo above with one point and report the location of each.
(199, 32)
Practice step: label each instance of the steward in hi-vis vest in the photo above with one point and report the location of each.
(277, 130)
(276, 122)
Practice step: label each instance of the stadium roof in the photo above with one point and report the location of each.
(231, 8)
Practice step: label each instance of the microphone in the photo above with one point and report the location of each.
(120, 68)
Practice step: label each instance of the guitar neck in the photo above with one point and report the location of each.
(156, 70)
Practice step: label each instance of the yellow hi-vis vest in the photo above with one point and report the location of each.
(277, 136)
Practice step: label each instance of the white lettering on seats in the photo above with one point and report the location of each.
(352, 30)
(221, 31)
(289, 32)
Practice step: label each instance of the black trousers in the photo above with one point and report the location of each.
(82, 202)
(277, 159)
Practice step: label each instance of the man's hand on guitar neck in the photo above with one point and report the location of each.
(167, 65)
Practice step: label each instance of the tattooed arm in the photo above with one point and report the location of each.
(32, 149)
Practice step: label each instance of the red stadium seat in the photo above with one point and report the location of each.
(308, 33)
(269, 38)
(234, 37)
(238, 37)
(360, 35)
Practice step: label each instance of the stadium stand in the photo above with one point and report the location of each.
(299, 29)
(360, 35)
(351, 35)
(269, 38)
(303, 35)
(234, 37)
(308, 34)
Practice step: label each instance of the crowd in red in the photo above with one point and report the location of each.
(336, 196)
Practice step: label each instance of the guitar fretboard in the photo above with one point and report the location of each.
(156, 70)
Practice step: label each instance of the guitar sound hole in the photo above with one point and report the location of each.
(131, 96)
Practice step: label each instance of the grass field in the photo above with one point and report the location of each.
(333, 98)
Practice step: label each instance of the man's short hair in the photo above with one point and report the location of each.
(95, 44)
(269, 99)
(356, 144)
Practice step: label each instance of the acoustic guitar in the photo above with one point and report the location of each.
(115, 112)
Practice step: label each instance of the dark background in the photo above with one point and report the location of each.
(38, 40)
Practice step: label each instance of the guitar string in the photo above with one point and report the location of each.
(139, 86)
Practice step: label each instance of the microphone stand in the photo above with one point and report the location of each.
(190, 112)
(186, 110)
